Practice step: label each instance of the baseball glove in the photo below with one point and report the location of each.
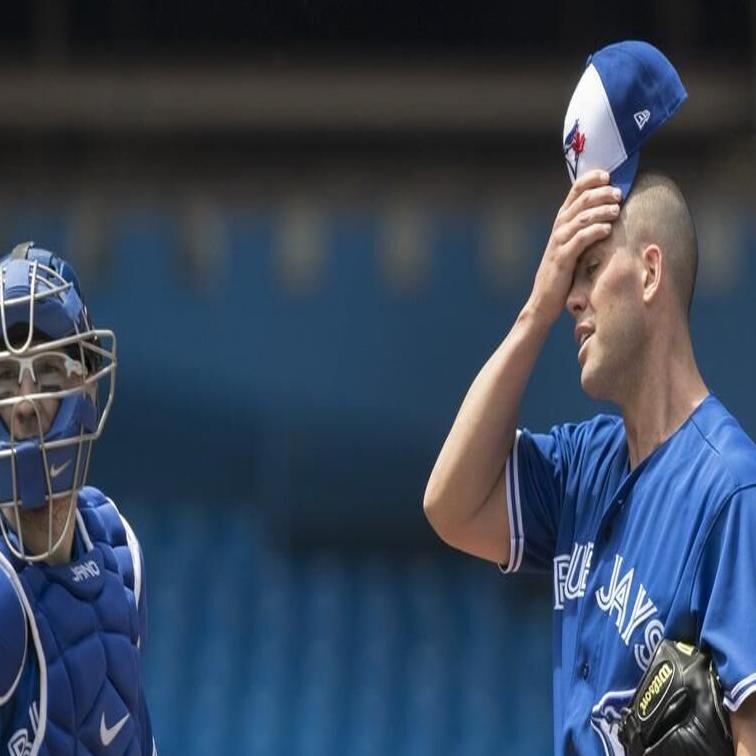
(677, 707)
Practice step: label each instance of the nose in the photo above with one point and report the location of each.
(24, 411)
(26, 385)
(576, 301)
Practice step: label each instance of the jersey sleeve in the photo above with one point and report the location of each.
(724, 594)
(13, 635)
(536, 474)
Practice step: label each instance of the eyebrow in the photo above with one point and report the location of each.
(598, 248)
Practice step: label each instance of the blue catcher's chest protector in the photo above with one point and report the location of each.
(79, 691)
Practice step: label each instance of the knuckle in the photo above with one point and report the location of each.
(580, 201)
(559, 237)
(591, 200)
(587, 199)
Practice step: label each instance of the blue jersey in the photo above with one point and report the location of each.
(665, 550)
(70, 644)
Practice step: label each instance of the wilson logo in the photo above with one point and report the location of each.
(85, 571)
(655, 690)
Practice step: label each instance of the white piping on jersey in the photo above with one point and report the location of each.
(136, 562)
(133, 543)
(40, 734)
(740, 692)
(516, 487)
(5, 698)
(514, 510)
(83, 531)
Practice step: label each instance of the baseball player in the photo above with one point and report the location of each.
(72, 597)
(646, 521)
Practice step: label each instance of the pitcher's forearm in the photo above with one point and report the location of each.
(483, 432)
(472, 458)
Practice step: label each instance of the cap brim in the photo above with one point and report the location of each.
(624, 175)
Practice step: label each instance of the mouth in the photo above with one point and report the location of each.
(584, 339)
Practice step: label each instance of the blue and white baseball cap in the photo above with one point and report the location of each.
(627, 91)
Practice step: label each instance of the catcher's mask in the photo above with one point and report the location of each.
(47, 337)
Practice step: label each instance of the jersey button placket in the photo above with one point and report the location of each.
(585, 670)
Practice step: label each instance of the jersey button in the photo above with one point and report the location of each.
(584, 670)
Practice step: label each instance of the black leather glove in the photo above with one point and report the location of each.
(677, 708)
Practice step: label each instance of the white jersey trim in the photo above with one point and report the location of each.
(40, 734)
(740, 692)
(83, 530)
(514, 509)
(133, 543)
(136, 560)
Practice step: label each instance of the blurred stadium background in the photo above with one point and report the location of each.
(309, 224)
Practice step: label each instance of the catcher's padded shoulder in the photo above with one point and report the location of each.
(13, 636)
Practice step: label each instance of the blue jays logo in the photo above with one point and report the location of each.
(574, 143)
(606, 716)
(20, 743)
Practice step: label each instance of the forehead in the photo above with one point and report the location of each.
(616, 240)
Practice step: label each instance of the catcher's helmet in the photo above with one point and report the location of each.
(45, 327)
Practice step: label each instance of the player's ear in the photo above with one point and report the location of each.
(652, 262)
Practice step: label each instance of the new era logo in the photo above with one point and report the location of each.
(641, 118)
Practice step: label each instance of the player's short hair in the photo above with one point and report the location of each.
(656, 212)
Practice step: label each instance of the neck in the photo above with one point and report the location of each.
(666, 388)
(35, 528)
